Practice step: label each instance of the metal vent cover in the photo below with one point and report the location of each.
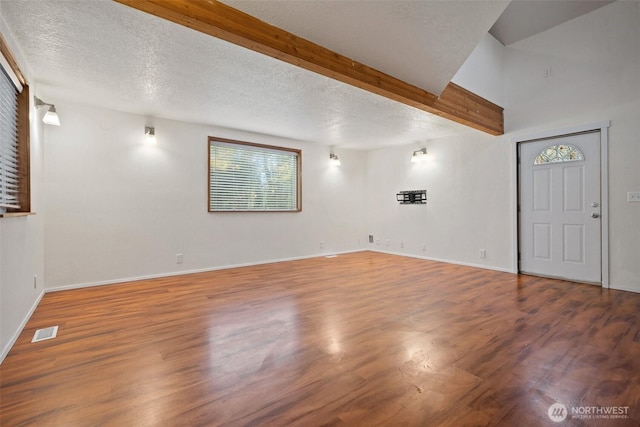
(45, 334)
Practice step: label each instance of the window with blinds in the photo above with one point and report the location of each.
(9, 154)
(250, 177)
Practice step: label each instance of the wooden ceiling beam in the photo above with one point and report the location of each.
(224, 22)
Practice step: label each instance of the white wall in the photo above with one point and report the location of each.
(468, 208)
(595, 68)
(22, 239)
(483, 72)
(595, 76)
(467, 178)
(119, 209)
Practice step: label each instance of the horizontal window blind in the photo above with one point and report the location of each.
(8, 144)
(245, 177)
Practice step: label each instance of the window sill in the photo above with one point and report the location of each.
(15, 214)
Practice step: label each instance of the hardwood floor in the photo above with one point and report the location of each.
(360, 339)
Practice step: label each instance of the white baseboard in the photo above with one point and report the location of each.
(626, 288)
(14, 338)
(249, 264)
(447, 261)
(183, 272)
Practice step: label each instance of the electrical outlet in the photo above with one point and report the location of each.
(179, 259)
(370, 238)
(35, 281)
(483, 253)
(547, 72)
(401, 245)
(633, 196)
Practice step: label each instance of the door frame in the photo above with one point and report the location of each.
(603, 128)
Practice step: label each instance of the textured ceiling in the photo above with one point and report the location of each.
(103, 53)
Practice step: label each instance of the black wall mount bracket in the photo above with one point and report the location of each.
(412, 197)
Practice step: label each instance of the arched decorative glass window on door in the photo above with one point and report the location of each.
(558, 153)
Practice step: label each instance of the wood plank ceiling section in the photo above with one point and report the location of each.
(224, 22)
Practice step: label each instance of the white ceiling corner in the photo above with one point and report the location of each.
(525, 18)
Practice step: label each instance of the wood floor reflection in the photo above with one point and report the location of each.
(360, 339)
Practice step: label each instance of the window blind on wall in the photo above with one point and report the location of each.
(8, 143)
(244, 177)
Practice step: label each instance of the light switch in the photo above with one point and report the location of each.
(633, 196)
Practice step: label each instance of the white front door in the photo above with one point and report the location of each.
(559, 201)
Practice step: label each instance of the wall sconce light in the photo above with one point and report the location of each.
(51, 116)
(150, 135)
(333, 158)
(419, 155)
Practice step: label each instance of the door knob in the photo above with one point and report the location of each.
(595, 215)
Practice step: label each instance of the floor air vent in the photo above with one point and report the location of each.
(45, 334)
